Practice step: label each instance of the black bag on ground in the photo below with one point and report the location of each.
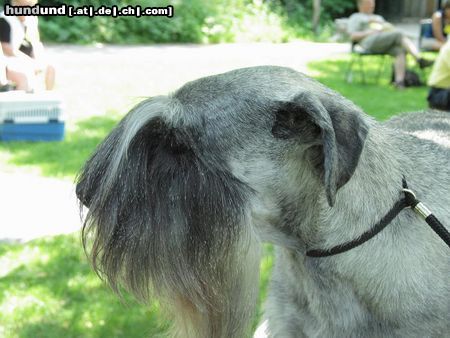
(412, 79)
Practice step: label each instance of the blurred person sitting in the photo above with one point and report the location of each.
(376, 35)
(439, 80)
(20, 41)
(436, 36)
(5, 85)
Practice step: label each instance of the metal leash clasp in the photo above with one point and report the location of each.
(422, 210)
(419, 208)
(409, 191)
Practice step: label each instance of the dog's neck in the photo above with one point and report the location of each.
(360, 204)
(371, 192)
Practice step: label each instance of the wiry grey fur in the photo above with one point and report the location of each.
(184, 190)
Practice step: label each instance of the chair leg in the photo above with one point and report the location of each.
(349, 72)
(381, 68)
(361, 69)
(355, 58)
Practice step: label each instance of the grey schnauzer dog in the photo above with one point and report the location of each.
(185, 189)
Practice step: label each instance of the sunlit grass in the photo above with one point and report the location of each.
(47, 289)
(61, 159)
(379, 99)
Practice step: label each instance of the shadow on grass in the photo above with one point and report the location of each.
(65, 158)
(381, 100)
(47, 289)
(52, 292)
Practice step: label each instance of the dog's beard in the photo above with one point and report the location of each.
(167, 222)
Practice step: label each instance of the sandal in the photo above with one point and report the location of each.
(7, 87)
(424, 63)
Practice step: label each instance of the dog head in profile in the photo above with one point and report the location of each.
(183, 190)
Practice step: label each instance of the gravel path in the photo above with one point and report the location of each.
(94, 80)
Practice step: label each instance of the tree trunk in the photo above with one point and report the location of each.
(316, 16)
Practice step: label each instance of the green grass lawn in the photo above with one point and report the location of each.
(47, 288)
(380, 100)
(61, 159)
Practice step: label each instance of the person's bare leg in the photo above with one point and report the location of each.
(400, 68)
(21, 71)
(3, 79)
(437, 45)
(410, 47)
(50, 77)
(20, 79)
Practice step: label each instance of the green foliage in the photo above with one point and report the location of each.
(299, 14)
(185, 26)
(194, 21)
(336, 8)
(244, 20)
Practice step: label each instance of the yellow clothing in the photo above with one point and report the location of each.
(447, 29)
(440, 75)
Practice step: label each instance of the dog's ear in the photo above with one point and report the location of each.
(333, 131)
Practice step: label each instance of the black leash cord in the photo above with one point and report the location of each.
(438, 228)
(399, 206)
(409, 200)
(426, 214)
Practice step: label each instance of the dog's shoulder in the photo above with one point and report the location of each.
(431, 126)
(431, 119)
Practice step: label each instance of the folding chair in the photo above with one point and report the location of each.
(426, 30)
(357, 55)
